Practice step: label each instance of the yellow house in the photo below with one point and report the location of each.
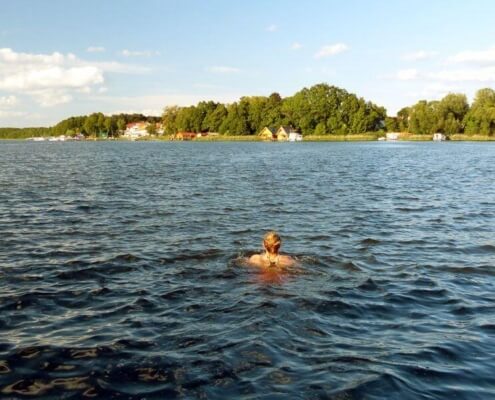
(284, 133)
(267, 133)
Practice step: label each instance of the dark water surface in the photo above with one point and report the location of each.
(120, 271)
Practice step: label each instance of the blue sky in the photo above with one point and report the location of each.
(63, 57)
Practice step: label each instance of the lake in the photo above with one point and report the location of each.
(121, 272)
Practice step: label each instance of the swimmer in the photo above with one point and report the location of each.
(271, 258)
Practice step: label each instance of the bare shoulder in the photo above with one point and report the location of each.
(287, 261)
(255, 259)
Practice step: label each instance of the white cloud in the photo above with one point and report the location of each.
(51, 97)
(116, 67)
(296, 46)
(441, 89)
(483, 75)
(479, 68)
(85, 90)
(8, 101)
(435, 91)
(12, 114)
(271, 28)
(331, 50)
(419, 55)
(138, 53)
(95, 49)
(223, 70)
(465, 75)
(51, 79)
(154, 104)
(482, 57)
(9, 56)
(103, 89)
(407, 74)
(149, 112)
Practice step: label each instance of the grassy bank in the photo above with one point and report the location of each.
(472, 138)
(404, 136)
(369, 136)
(227, 138)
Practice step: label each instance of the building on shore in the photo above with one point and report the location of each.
(439, 137)
(392, 136)
(186, 135)
(282, 134)
(267, 133)
(287, 133)
(136, 130)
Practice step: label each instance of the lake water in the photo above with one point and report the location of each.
(121, 271)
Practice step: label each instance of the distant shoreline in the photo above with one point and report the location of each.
(311, 138)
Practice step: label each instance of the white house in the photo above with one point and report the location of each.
(295, 137)
(393, 135)
(136, 130)
(439, 137)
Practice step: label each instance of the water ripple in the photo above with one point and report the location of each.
(123, 274)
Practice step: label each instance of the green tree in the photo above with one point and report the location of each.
(151, 129)
(169, 119)
(480, 119)
(320, 129)
(451, 112)
(423, 118)
(235, 123)
(403, 119)
(213, 120)
(90, 125)
(110, 126)
(121, 125)
(272, 113)
(100, 122)
(186, 119)
(391, 124)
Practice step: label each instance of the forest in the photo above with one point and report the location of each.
(319, 110)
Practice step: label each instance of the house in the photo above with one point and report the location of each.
(267, 133)
(295, 136)
(439, 137)
(135, 130)
(392, 136)
(185, 135)
(286, 133)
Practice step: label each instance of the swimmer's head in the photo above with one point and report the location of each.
(272, 242)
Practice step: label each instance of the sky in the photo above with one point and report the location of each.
(61, 58)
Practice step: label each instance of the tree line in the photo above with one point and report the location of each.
(97, 123)
(94, 124)
(321, 109)
(450, 115)
(24, 133)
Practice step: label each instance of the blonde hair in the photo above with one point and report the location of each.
(272, 242)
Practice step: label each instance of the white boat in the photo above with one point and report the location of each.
(295, 137)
